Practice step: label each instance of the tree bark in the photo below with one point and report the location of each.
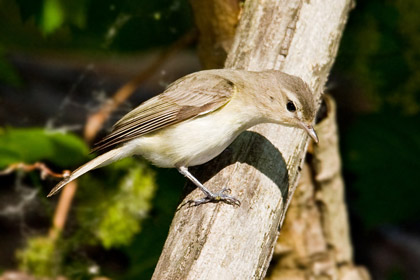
(219, 241)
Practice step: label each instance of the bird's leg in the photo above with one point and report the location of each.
(210, 197)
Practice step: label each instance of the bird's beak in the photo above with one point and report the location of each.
(310, 130)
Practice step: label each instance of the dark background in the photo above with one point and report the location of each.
(60, 60)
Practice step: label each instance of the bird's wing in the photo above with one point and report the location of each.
(186, 98)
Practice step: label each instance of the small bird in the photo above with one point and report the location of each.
(199, 116)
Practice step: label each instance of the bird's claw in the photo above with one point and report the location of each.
(216, 197)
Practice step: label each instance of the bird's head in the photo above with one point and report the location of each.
(295, 105)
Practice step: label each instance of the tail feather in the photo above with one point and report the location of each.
(102, 160)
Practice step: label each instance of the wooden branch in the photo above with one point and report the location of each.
(218, 241)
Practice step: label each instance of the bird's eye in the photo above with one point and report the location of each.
(291, 106)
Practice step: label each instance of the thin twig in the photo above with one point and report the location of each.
(45, 171)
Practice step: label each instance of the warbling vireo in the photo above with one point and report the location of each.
(199, 115)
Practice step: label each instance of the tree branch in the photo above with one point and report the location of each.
(218, 241)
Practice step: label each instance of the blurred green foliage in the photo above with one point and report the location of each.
(40, 257)
(92, 25)
(110, 210)
(113, 209)
(89, 26)
(8, 73)
(55, 13)
(386, 176)
(37, 144)
(113, 204)
(146, 247)
(380, 51)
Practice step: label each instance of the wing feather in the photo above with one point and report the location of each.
(193, 95)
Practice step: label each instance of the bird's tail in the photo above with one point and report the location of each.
(102, 160)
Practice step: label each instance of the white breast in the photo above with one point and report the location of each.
(195, 141)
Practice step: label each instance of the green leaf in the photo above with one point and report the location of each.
(68, 149)
(29, 145)
(56, 13)
(52, 16)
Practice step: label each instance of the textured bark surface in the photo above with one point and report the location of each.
(314, 242)
(219, 241)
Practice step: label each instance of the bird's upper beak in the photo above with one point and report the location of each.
(310, 130)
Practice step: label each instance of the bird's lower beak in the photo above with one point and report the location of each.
(310, 130)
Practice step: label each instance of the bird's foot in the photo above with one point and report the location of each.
(216, 197)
